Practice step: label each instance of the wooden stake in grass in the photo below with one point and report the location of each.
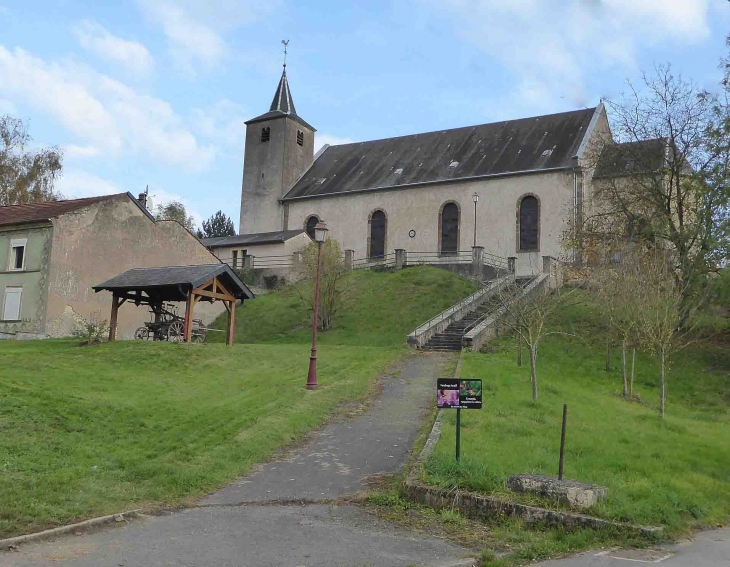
(561, 465)
(519, 350)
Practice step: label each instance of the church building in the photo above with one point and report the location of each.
(512, 187)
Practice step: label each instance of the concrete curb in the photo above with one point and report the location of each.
(487, 508)
(469, 562)
(12, 542)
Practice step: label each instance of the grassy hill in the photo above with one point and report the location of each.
(674, 472)
(378, 309)
(101, 429)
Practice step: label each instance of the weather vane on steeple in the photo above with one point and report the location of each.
(285, 42)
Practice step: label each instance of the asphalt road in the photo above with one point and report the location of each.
(706, 549)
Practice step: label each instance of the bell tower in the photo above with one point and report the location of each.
(279, 147)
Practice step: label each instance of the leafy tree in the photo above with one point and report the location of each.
(333, 280)
(217, 225)
(26, 176)
(175, 211)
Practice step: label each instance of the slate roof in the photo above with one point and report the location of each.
(501, 148)
(253, 238)
(282, 106)
(631, 158)
(38, 212)
(175, 277)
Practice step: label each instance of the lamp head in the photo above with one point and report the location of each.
(320, 232)
(475, 197)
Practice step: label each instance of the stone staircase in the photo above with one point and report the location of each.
(451, 338)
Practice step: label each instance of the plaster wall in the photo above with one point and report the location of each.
(96, 243)
(418, 209)
(268, 169)
(32, 279)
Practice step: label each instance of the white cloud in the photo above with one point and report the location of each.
(131, 55)
(101, 111)
(7, 107)
(322, 139)
(222, 121)
(195, 29)
(77, 184)
(160, 196)
(72, 151)
(553, 47)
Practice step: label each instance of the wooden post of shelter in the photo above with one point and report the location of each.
(231, 307)
(188, 323)
(116, 303)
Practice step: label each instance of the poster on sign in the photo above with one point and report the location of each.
(458, 394)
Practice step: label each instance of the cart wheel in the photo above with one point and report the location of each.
(176, 332)
(142, 334)
(199, 337)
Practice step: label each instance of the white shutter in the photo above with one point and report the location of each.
(11, 312)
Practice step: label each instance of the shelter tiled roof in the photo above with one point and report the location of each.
(174, 277)
(253, 238)
(541, 143)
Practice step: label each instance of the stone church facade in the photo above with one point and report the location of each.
(417, 192)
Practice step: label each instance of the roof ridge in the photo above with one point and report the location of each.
(592, 109)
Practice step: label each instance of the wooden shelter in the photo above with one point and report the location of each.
(155, 286)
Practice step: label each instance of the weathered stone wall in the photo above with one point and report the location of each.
(101, 241)
(418, 209)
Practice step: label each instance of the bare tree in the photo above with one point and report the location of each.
(617, 275)
(665, 181)
(528, 312)
(659, 304)
(333, 280)
(26, 176)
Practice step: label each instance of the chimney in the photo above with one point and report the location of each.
(143, 197)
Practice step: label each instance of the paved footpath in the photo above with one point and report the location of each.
(706, 549)
(243, 525)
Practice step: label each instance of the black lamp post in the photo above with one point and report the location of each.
(320, 235)
(475, 198)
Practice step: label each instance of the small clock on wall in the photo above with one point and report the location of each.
(412, 233)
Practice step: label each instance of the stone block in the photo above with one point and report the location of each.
(570, 492)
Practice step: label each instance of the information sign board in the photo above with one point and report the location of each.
(458, 393)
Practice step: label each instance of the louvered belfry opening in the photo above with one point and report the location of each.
(529, 223)
(377, 234)
(450, 229)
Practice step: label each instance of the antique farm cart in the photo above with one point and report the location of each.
(167, 325)
(158, 287)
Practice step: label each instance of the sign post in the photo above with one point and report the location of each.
(458, 394)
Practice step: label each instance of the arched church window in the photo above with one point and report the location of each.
(310, 224)
(378, 230)
(265, 134)
(529, 224)
(449, 228)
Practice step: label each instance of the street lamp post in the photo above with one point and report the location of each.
(320, 235)
(475, 198)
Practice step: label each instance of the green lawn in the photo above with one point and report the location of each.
(378, 309)
(95, 430)
(674, 472)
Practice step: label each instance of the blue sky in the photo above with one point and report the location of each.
(156, 92)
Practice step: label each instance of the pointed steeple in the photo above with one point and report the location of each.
(283, 101)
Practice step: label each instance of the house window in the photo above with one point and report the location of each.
(449, 228)
(300, 137)
(310, 224)
(528, 217)
(235, 259)
(265, 134)
(17, 255)
(11, 303)
(378, 228)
